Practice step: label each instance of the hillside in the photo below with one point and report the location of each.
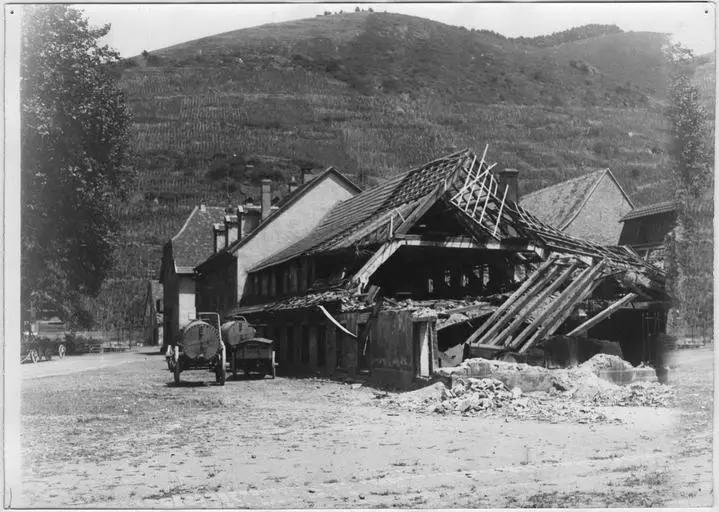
(374, 94)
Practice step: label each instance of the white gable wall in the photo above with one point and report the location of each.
(289, 226)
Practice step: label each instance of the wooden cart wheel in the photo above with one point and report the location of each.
(220, 375)
(274, 366)
(220, 370)
(34, 356)
(233, 364)
(61, 350)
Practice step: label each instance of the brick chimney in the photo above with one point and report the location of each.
(293, 184)
(509, 178)
(219, 235)
(266, 202)
(232, 229)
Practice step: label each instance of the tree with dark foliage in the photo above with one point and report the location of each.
(690, 245)
(74, 148)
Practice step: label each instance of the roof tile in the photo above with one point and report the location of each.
(194, 242)
(651, 209)
(361, 210)
(556, 205)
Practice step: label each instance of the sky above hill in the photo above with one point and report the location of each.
(137, 27)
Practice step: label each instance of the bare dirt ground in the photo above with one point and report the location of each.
(114, 432)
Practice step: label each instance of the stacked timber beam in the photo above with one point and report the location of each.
(542, 304)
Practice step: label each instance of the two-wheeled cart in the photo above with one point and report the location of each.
(199, 346)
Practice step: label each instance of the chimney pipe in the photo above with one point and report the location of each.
(266, 202)
(218, 233)
(232, 229)
(509, 178)
(293, 184)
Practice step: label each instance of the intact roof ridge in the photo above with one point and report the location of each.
(192, 214)
(598, 172)
(187, 222)
(621, 189)
(588, 195)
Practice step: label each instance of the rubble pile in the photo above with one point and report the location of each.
(576, 394)
(644, 394)
(606, 362)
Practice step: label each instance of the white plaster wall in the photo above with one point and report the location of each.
(289, 226)
(186, 305)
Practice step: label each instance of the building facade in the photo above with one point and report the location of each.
(222, 279)
(589, 207)
(389, 280)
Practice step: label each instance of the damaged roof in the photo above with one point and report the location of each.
(474, 196)
(367, 210)
(194, 242)
(559, 204)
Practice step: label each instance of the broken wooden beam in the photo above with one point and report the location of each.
(489, 336)
(602, 315)
(565, 303)
(378, 258)
(512, 298)
(548, 312)
(536, 301)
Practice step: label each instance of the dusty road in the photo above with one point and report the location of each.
(122, 436)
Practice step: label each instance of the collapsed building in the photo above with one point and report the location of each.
(441, 263)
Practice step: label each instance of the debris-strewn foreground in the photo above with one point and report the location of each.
(98, 435)
(575, 394)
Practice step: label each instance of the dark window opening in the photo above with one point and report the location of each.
(305, 345)
(321, 346)
(290, 344)
(338, 349)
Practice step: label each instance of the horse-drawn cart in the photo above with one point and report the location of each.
(199, 346)
(34, 347)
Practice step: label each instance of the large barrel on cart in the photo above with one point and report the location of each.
(234, 332)
(199, 346)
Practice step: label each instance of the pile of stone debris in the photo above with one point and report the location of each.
(576, 394)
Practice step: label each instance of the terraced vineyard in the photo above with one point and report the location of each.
(373, 95)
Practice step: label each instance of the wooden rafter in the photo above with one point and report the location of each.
(602, 315)
(529, 282)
